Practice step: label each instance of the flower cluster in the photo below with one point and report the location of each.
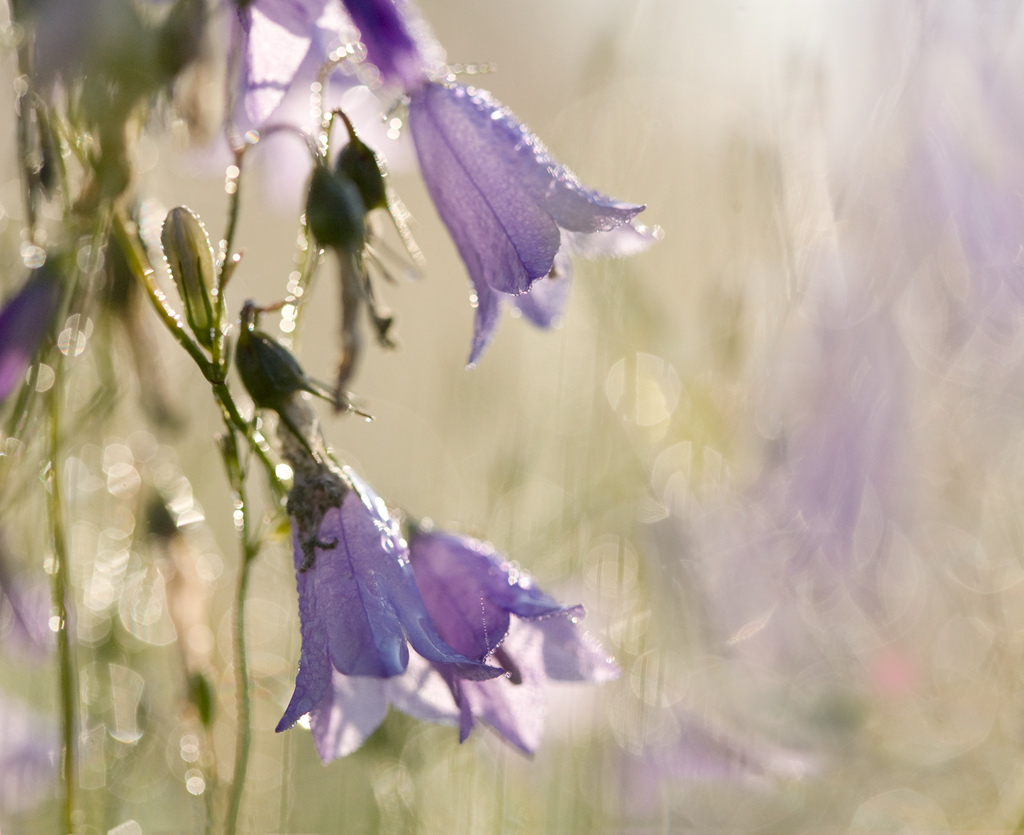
(443, 627)
(515, 214)
(366, 596)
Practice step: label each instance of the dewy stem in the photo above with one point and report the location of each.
(59, 589)
(250, 547)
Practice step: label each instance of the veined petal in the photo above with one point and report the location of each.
(349, 581)
(498, 135)
(470, 591)
(276, 37)
(504, 237)
(382, 563)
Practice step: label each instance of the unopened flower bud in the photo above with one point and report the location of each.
(359, 162)
(190, 259)
(335, 210)
(269, 371)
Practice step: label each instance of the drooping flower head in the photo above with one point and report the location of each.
(509, 206)
(24, 320)
(472, 592)
(358, 601)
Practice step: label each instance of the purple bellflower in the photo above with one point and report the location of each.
(471, 593)
(281, 43)
(387, 32)
(514, 213)
(358, 602)
(24, 320)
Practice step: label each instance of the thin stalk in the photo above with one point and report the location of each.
(250, 547)
(60, 605)
(227, 262)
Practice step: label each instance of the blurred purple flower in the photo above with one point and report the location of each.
(359, 604)
(282, 43)
(390, 46)
(24, 320)
(24, 618)
(28, 756)
(510, 208)
(471, 593)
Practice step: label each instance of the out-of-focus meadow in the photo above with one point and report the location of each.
(779, 457)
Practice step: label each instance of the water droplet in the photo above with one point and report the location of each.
(33, 256)
(45, 379)
(194, 781)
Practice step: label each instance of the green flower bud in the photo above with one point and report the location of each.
(361, 165)
(190, 259)
(335, 210)
(269, 371)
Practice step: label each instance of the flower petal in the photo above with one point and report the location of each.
(498, 135)
(516, 711)
(24, 321)
(422, 693)
(470, 591)
(504, 237)
(389, 45)
(545, 301)
(276, 37)
(356, 708)
(488, 304)
(349, 584)
(314, 677)
(616, 243)
(570, 654)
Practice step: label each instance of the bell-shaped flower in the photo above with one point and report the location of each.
(24, 320)
(472, 592)
(510, 208)
(358, 600)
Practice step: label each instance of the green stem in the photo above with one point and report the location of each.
(60, 607)
(235, 420)
(250, 547)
